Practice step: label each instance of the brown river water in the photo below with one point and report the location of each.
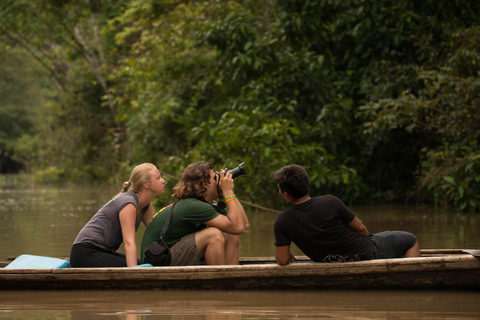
(45, 221)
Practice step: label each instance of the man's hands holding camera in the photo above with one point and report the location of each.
(225, 189)
(225, 182)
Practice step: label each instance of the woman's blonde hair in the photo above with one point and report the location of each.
(140, 174)
(194, 181)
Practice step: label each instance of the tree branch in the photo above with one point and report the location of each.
(92, 60)
(40, 58)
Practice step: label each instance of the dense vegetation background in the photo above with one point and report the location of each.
(379, 100)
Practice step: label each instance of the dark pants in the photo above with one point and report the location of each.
(85, 255)
(392, 244)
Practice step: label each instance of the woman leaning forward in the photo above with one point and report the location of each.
(117, 221)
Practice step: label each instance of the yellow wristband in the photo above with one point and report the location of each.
(229, 199)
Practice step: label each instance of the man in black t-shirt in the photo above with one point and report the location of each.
(325, 229)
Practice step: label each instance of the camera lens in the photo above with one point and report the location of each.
(238, 171)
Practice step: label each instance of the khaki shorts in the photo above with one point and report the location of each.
(185, 252)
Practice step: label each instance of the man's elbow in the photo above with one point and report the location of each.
(281, 261)
(236, 230)
(363, 232)
(240, 230)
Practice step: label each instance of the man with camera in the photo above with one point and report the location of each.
(200, 233)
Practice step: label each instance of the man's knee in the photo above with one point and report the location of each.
(211, 236)
(231, 239)
(216, 236)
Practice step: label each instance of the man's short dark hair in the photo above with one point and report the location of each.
(292, 179)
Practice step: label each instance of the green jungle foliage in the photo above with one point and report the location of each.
(376, 99)
(23, 90)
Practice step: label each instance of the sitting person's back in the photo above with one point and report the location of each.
(326, 230)
(319, 228)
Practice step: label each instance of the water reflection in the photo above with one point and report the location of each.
(434, 228)
(177, 305)
(43, 221)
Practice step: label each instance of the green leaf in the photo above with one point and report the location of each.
(294, 130)
(266, 152)
(449, 179)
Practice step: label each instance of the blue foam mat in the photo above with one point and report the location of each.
(27, 261)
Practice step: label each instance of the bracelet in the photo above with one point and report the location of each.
(232, 197)
(229, 199)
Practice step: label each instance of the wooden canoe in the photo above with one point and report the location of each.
(436, 269)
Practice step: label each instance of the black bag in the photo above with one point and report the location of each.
(158, 253)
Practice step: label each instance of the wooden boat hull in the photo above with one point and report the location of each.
(455, 271)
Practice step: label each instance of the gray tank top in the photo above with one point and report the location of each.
(104, 229)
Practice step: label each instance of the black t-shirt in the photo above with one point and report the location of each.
(319, 228)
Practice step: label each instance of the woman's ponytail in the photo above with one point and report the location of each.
(126, 186)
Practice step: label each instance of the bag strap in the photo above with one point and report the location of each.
(167, 222)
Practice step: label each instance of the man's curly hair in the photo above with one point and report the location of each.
(194, 181)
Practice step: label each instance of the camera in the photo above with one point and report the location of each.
(236, 172)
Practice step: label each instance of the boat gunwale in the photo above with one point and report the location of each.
(450, 271)
(427, 263)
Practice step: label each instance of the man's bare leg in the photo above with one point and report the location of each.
(232, 248)
(413, 251)
(211, 245)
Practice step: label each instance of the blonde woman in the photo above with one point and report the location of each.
(117, 221)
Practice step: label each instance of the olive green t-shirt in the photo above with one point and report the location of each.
(189, 216)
